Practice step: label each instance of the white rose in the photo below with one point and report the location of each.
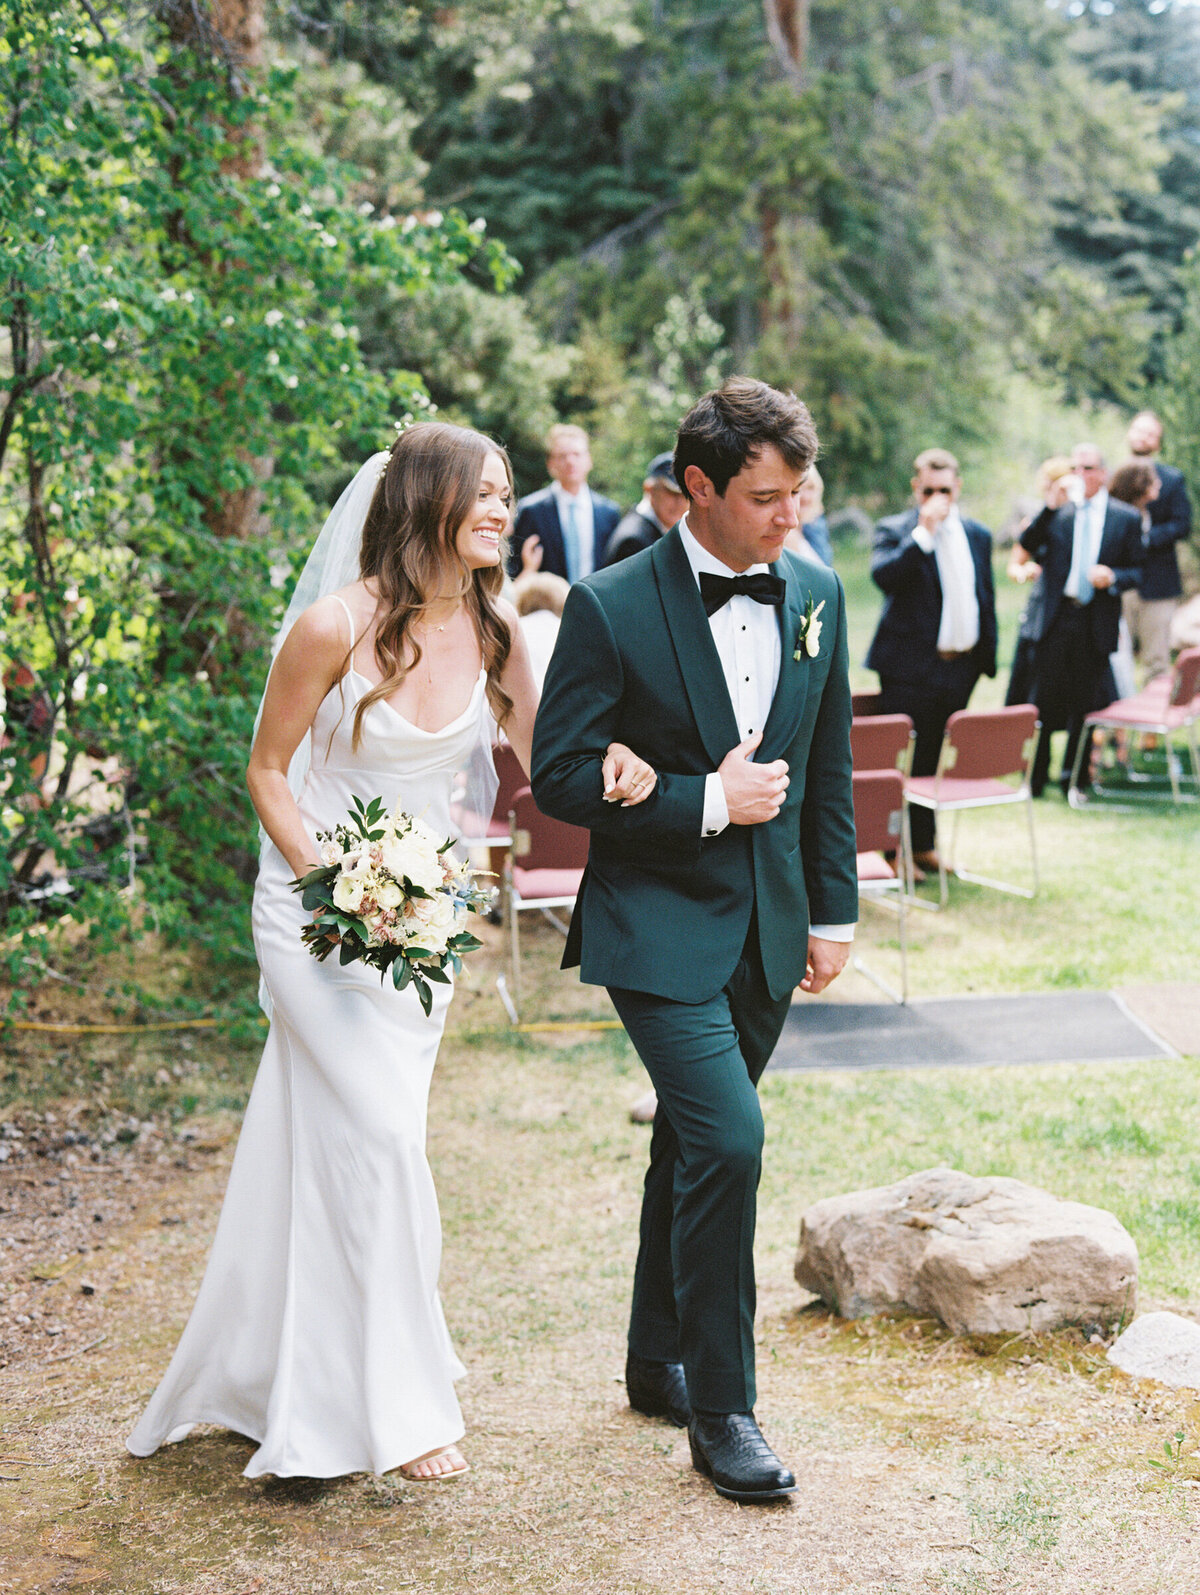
(331, 853)
(438, 922)
(409, 858)
(348, 894)
(812, 638)
(389, 895)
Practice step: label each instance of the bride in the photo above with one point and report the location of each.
(318, 1330)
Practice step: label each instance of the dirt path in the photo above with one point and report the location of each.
(926, 1464)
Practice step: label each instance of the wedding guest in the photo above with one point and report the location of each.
(937, 631)
(1134, 483)
(566, 525)
(1090, 553)
(538, 598)
(661, 506)
(1148, 607)
(811, 539)
(1024, 570)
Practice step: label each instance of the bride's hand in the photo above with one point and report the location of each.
(627, 779)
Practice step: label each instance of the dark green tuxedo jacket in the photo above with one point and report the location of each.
(661, 909)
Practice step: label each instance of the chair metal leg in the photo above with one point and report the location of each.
(514, 944)
(910, 885)
(1007, 886)
(943, 884)
(1074, 796)
(1173, 769)
(877, 980)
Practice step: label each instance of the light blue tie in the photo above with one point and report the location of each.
(1084, 591)
(571, 540)
(1081, 553)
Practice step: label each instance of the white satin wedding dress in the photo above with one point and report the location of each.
(318, 1330)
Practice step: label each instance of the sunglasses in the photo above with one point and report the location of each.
(929, 492)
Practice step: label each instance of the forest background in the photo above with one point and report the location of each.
(241, 239)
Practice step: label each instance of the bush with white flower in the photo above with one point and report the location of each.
(390, 894)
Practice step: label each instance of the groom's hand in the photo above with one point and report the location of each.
(826, 960)
(753, 792)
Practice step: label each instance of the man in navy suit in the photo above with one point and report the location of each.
(1090, 552)
(1148, 607)
(563, 528)
(937, 632)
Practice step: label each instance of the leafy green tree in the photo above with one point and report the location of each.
(176, 345)
(869, 203)
(1138, 240)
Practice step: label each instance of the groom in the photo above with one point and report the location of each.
(721, 660)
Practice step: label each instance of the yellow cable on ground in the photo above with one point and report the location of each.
(110, 1030)
(578, 1024)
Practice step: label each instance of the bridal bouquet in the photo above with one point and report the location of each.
(388, 894)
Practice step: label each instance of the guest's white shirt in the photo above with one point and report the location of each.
(1085, 549)
(540, 631)
(958, 630)
(748, 643)
(584, 523)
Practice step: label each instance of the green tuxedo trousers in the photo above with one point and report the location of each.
(693, 1288)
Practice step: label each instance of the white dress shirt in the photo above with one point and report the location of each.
(958, 630)
(746, 634)
(584, 523)
(1085, 550)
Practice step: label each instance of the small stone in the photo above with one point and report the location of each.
(644, 1109)
(87, 1290)
(1162, 1346)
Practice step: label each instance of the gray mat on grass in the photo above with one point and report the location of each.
(1056, 1027)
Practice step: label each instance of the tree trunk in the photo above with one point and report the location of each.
(230, 34)
(787, 29)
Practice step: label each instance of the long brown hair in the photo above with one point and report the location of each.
(409, 550)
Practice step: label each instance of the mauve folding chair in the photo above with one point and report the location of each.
(1169, 703)
(880, 825)
(545, 866)
(882, 742)
(981, 751)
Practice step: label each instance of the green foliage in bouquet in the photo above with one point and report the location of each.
(365, 900)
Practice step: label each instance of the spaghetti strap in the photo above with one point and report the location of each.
(349, 617)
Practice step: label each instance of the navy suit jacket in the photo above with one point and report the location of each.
(905, 644)
(1170, 523)
(537, 516)
(1050, 538)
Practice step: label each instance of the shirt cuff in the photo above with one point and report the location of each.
(923, 539)
(716, 811)
(832, 932)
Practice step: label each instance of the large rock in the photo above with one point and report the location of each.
(1160, 1346)
(986, 1256)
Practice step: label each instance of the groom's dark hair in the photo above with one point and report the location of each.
(734, 422)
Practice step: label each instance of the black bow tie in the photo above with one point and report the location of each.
(718, 590)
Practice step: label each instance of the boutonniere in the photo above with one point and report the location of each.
(808, 638)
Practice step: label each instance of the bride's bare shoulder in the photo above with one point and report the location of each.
(323, 627)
